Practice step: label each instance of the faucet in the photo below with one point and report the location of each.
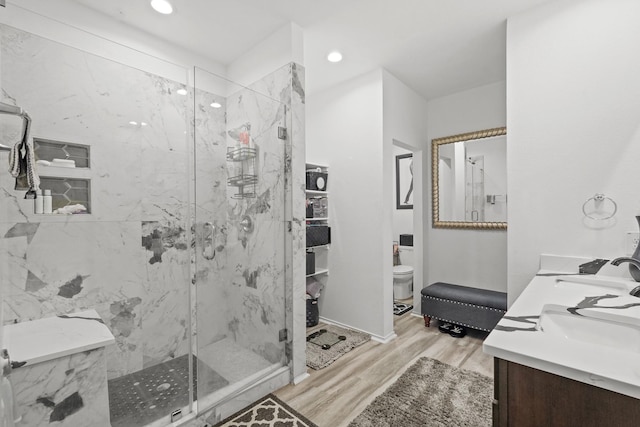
(634, 267)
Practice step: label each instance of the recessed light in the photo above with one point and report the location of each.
(162, 6)
(215, 104)
(181, 91)
(334, 56)
(143, 124)
(132, 123)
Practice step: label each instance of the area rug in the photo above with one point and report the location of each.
(432, 394)
(327, 345)
(399, 308)
(267, 412)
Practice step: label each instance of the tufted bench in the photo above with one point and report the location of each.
(462, 305)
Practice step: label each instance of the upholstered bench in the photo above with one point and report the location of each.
(462, 305)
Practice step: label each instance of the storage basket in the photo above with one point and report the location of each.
(318, 235)
(317, 180)
(311, 262)
(313, 314)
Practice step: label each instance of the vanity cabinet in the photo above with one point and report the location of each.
(528, 397)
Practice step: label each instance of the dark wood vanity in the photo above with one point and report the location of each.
(528, 397)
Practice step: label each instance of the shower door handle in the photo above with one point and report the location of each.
(209, 231)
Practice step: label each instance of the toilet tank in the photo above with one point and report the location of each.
(406, 256)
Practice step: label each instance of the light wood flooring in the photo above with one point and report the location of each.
(335, 395)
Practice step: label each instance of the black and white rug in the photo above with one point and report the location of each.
(267, 412)
(400, 308)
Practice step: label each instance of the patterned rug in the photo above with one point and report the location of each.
(326, 345)
(267, 412)
(432, 394)
(400, 308)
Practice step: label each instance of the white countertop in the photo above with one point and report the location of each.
(53, 337)
(517, 339)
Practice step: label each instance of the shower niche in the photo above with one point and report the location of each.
(64, 169)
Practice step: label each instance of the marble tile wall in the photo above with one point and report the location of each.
(128, 259)
(245, 282)
(66, 392)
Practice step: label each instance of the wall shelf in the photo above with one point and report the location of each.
(319, 272)
(316, 219)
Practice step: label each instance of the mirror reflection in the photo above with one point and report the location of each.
(470, 180)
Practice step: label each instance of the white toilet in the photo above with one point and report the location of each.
(402, 281)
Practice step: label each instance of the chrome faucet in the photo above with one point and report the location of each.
(634, 266)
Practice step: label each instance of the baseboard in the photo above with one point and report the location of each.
(374, 337)
(297, 380)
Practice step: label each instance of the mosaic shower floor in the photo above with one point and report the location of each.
(142, 397)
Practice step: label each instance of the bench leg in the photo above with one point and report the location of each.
(427, 321)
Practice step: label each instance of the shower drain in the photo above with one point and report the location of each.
(163, 387)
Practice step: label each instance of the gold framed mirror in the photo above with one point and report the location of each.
(469, 180)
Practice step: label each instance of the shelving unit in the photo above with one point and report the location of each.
(321, 197)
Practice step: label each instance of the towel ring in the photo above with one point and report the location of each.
(599, 197)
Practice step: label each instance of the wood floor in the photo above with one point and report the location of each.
(335, 395)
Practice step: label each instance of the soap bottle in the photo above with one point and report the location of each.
(38, 203)
(47, 200)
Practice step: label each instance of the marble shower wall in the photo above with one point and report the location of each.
(241, 291)
(129, 258)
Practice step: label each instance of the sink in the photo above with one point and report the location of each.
(604, 285)
(593, 327)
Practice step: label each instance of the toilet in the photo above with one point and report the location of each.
(402, 281)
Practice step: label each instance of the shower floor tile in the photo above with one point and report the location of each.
(142, 397)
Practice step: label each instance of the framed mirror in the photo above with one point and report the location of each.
(469, 180)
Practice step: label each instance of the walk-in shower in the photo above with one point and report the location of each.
(184, 248)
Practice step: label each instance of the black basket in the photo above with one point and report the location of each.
(406, 240)
(311, 262)
(318, 235)
(317, 180)
(313, 315)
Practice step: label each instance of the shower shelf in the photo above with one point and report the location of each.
(245, 181)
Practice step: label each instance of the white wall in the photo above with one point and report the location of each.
(344, 131)
(573, 99)
(280, 48)
(404, 115)
(476, 258)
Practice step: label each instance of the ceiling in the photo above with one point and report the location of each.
(437, 47)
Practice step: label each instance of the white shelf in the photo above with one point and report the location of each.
(318, 247)
(319, 272)
(315, 166)
(316, 219)
(317, 192)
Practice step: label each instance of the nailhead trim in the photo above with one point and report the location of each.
(456, 323)
(482, 307)
(463, 303)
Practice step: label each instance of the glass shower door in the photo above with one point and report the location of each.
(239, 178)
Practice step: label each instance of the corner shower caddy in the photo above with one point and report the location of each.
(242, 169)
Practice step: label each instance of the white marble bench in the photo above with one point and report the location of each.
(59, 372)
